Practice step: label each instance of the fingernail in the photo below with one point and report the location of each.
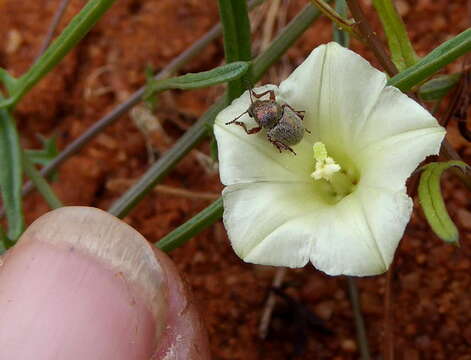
(77, 276)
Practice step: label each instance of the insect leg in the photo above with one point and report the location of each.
(248, 131)
(279, 145)
(270, 92)
(300, 113)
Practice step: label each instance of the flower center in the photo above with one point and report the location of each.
(334, 182)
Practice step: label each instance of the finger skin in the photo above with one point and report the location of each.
(63, 297)
(185, 336)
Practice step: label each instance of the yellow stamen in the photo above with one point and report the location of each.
(326, 167)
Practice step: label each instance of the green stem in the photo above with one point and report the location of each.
(198, 131)
(438, 58)
(162, 167)
(40, 183)
(72, 34)
(11, 174)
(359, 322)
(403, 54)
(195, 225)
(236, 33)
(340, 36)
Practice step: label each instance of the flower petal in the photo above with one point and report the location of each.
(255, 216)
(360, 234)
(338, 90)
(389, 162)
(394, 113)
(247, 158)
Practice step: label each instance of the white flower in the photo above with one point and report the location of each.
(342, 205)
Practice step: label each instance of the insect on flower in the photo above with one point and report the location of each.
(284, 125)
(341, 203)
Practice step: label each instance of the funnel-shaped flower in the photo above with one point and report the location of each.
(341, 201)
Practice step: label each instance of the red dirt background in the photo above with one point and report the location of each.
(432, 280)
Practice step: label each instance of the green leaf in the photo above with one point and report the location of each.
(11, 179)
(203, 79)
(213, 145)
(195, 225)
(437, 88)
(432, 203)
(403, 54)
(65, 42)
(434, 61)
(45, 155)
(9, 81)
(5, 244)
(40, 183)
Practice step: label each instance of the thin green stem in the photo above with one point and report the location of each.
(195, 225)
(11, 174)
(236, 34)
(72, 34)
(340, 36)
(402, 52)
(359, 322)
(166, 163)
(198, 131)
(40, 183)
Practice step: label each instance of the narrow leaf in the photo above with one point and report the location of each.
(9, 81)
(434, 61)
(40, 183)
(4, 242)
(203, 79)
(403, 54)
(11, 174)
(45, 155)
(437, 88)
(432, 203)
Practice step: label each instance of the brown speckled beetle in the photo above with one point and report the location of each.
(284, 125)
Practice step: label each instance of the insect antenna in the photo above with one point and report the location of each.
(249, 86)
(234, 120)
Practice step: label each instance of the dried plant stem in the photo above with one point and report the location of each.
(270, 304)
(54, 24)
(339, 20)
(359, 322)
(370, 38)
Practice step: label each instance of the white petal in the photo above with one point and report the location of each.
(257, 218)
(338, 90)
(251, 158)
(360, 234)
(394, 113)
(389, 162)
